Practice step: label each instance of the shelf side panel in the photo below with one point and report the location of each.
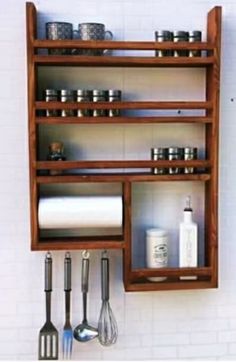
(212, 142)
(32, 81)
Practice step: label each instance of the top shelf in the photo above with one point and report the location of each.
(38, 57)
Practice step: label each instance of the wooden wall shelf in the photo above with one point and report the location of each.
(74, 171)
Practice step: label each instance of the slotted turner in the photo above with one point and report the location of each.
(48, 335)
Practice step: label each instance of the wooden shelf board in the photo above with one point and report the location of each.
(122, 120)
(122, 61)
(175, 272)
(169, 285)
(119, 45)
(126, 105)
(102, 164)
(121, 177)
(78, 243)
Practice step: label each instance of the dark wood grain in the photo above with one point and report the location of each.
(125, 105)
(121, 120)
(120, 177)
(122, 61)
(31, 25)
(101, 164)
(120, 45)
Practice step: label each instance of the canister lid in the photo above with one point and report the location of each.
(158, 151)
(164, 33)
(100, 92)
(156, 232)
(195, 34)
(175, 150)
(50, 92)
(190, 150)
(179, 33)
(66, 92)
(84, 92)
(114, 93)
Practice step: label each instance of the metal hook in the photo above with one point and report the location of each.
(67, 255)
(48, 255)
(85, 254)
(104, 254)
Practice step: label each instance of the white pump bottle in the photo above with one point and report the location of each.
(188, 240)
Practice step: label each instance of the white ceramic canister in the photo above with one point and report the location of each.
(156, 250)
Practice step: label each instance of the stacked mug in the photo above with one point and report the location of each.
(57, 30)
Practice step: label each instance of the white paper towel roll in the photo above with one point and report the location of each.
(67, 212)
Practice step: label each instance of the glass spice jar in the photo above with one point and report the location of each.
(158, 153)
(56, 153)
(114, 95)
(179, 36)
(190, 153)
(67, 96)
(84, 95)
(51, 95)
(162, 36)
(195, 36)
(99, 96)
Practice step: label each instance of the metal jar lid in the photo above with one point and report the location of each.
(158, 151)
(195, 34)
(180, 34)
(190, 150)
(175, 150)
(100, 92)
(50, 92)
(84, 92)
(156, 232)
(166, 34)
(66, 92)
(114, 93)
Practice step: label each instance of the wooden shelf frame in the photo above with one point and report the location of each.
(134, 279)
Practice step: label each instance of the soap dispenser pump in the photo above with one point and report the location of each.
(188, 240)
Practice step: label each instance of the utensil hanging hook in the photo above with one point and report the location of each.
(85, 254)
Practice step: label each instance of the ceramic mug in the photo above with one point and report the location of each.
(57, 30)
(93, 31)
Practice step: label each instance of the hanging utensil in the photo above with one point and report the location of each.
(84, 332)
(107, 326)
(67, 338)
(48, 335)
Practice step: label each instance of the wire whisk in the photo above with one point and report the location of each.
(107, 325)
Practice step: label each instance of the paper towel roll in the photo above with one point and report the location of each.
(67, 212)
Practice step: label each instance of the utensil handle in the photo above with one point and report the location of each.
(85, 275)
(67, 273)
(105, 278)
(48, 273)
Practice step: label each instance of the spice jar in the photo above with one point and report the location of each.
(99, 96)
(162, 36)
(158, 153)
(67, 96)
(179, 36)
(175, 153)
(156, 251)
(114, 95)
(56, 153)
(190, 153)
(194, 36)
(83, 95)
(51, 95)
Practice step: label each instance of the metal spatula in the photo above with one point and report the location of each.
(48, 335)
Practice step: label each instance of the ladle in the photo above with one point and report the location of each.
(84, 332)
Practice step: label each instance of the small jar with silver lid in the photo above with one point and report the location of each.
(174, 154)
(158, 153)
(194, 36)
(67, 96)
(99, 96)
(162, 36)
(190, 153)
(179, 36)
(51, 95)
(84, 95)
(114, 95)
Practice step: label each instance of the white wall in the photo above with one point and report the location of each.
(198, 324)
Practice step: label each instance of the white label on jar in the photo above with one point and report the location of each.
(160, 255)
